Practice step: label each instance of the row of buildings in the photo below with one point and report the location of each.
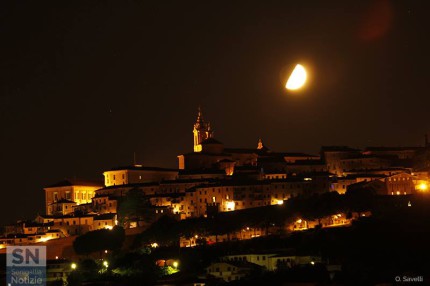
(214, 178)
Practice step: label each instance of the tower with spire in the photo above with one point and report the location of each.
(201, 131)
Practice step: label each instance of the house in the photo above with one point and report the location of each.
(231, 270)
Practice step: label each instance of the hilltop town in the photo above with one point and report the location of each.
(220, 195)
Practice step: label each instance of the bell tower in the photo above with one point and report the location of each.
(201, 131)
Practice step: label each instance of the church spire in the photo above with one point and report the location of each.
(199, 116)
(260, 144)
(201, 131)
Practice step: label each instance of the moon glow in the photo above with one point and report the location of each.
(297, 78)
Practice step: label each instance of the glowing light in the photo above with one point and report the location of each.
(196, 236)
(73, 266)
(313, 263)
(109, 227)
(299, 220)
(423, 186)
(105, 264)
(106, 251)
(230, 205)
(297, 78)
(154, 245)
(279, 202)
(44, 239)
(175, 264)
(409, 204)
(56, 257)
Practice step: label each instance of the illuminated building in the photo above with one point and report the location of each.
(138, 174)
(80, 192)
(201, 131)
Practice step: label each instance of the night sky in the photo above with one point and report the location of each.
(85, 84)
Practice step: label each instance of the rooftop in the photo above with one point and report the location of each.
(211, 141)
(143, 168)
(339, 149)
(75, 182)
(383, 148)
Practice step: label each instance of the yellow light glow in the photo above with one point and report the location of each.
(154, 245)
(175, 264)
(109, 227)
(73, 266)
(423, 186)
(297, 78)
(299, 221)
(279, 202)
(105, 264)
(230, 205)
(44, 239)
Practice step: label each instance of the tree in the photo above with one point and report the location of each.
(99, 240)
(134, 206)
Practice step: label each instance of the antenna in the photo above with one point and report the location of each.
(134, 158)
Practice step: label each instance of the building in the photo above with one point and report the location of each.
(201, 131)
(231, 270)
(80, 192)
(137, 174)
(271, 260)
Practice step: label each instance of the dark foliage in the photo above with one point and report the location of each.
(99, 240)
